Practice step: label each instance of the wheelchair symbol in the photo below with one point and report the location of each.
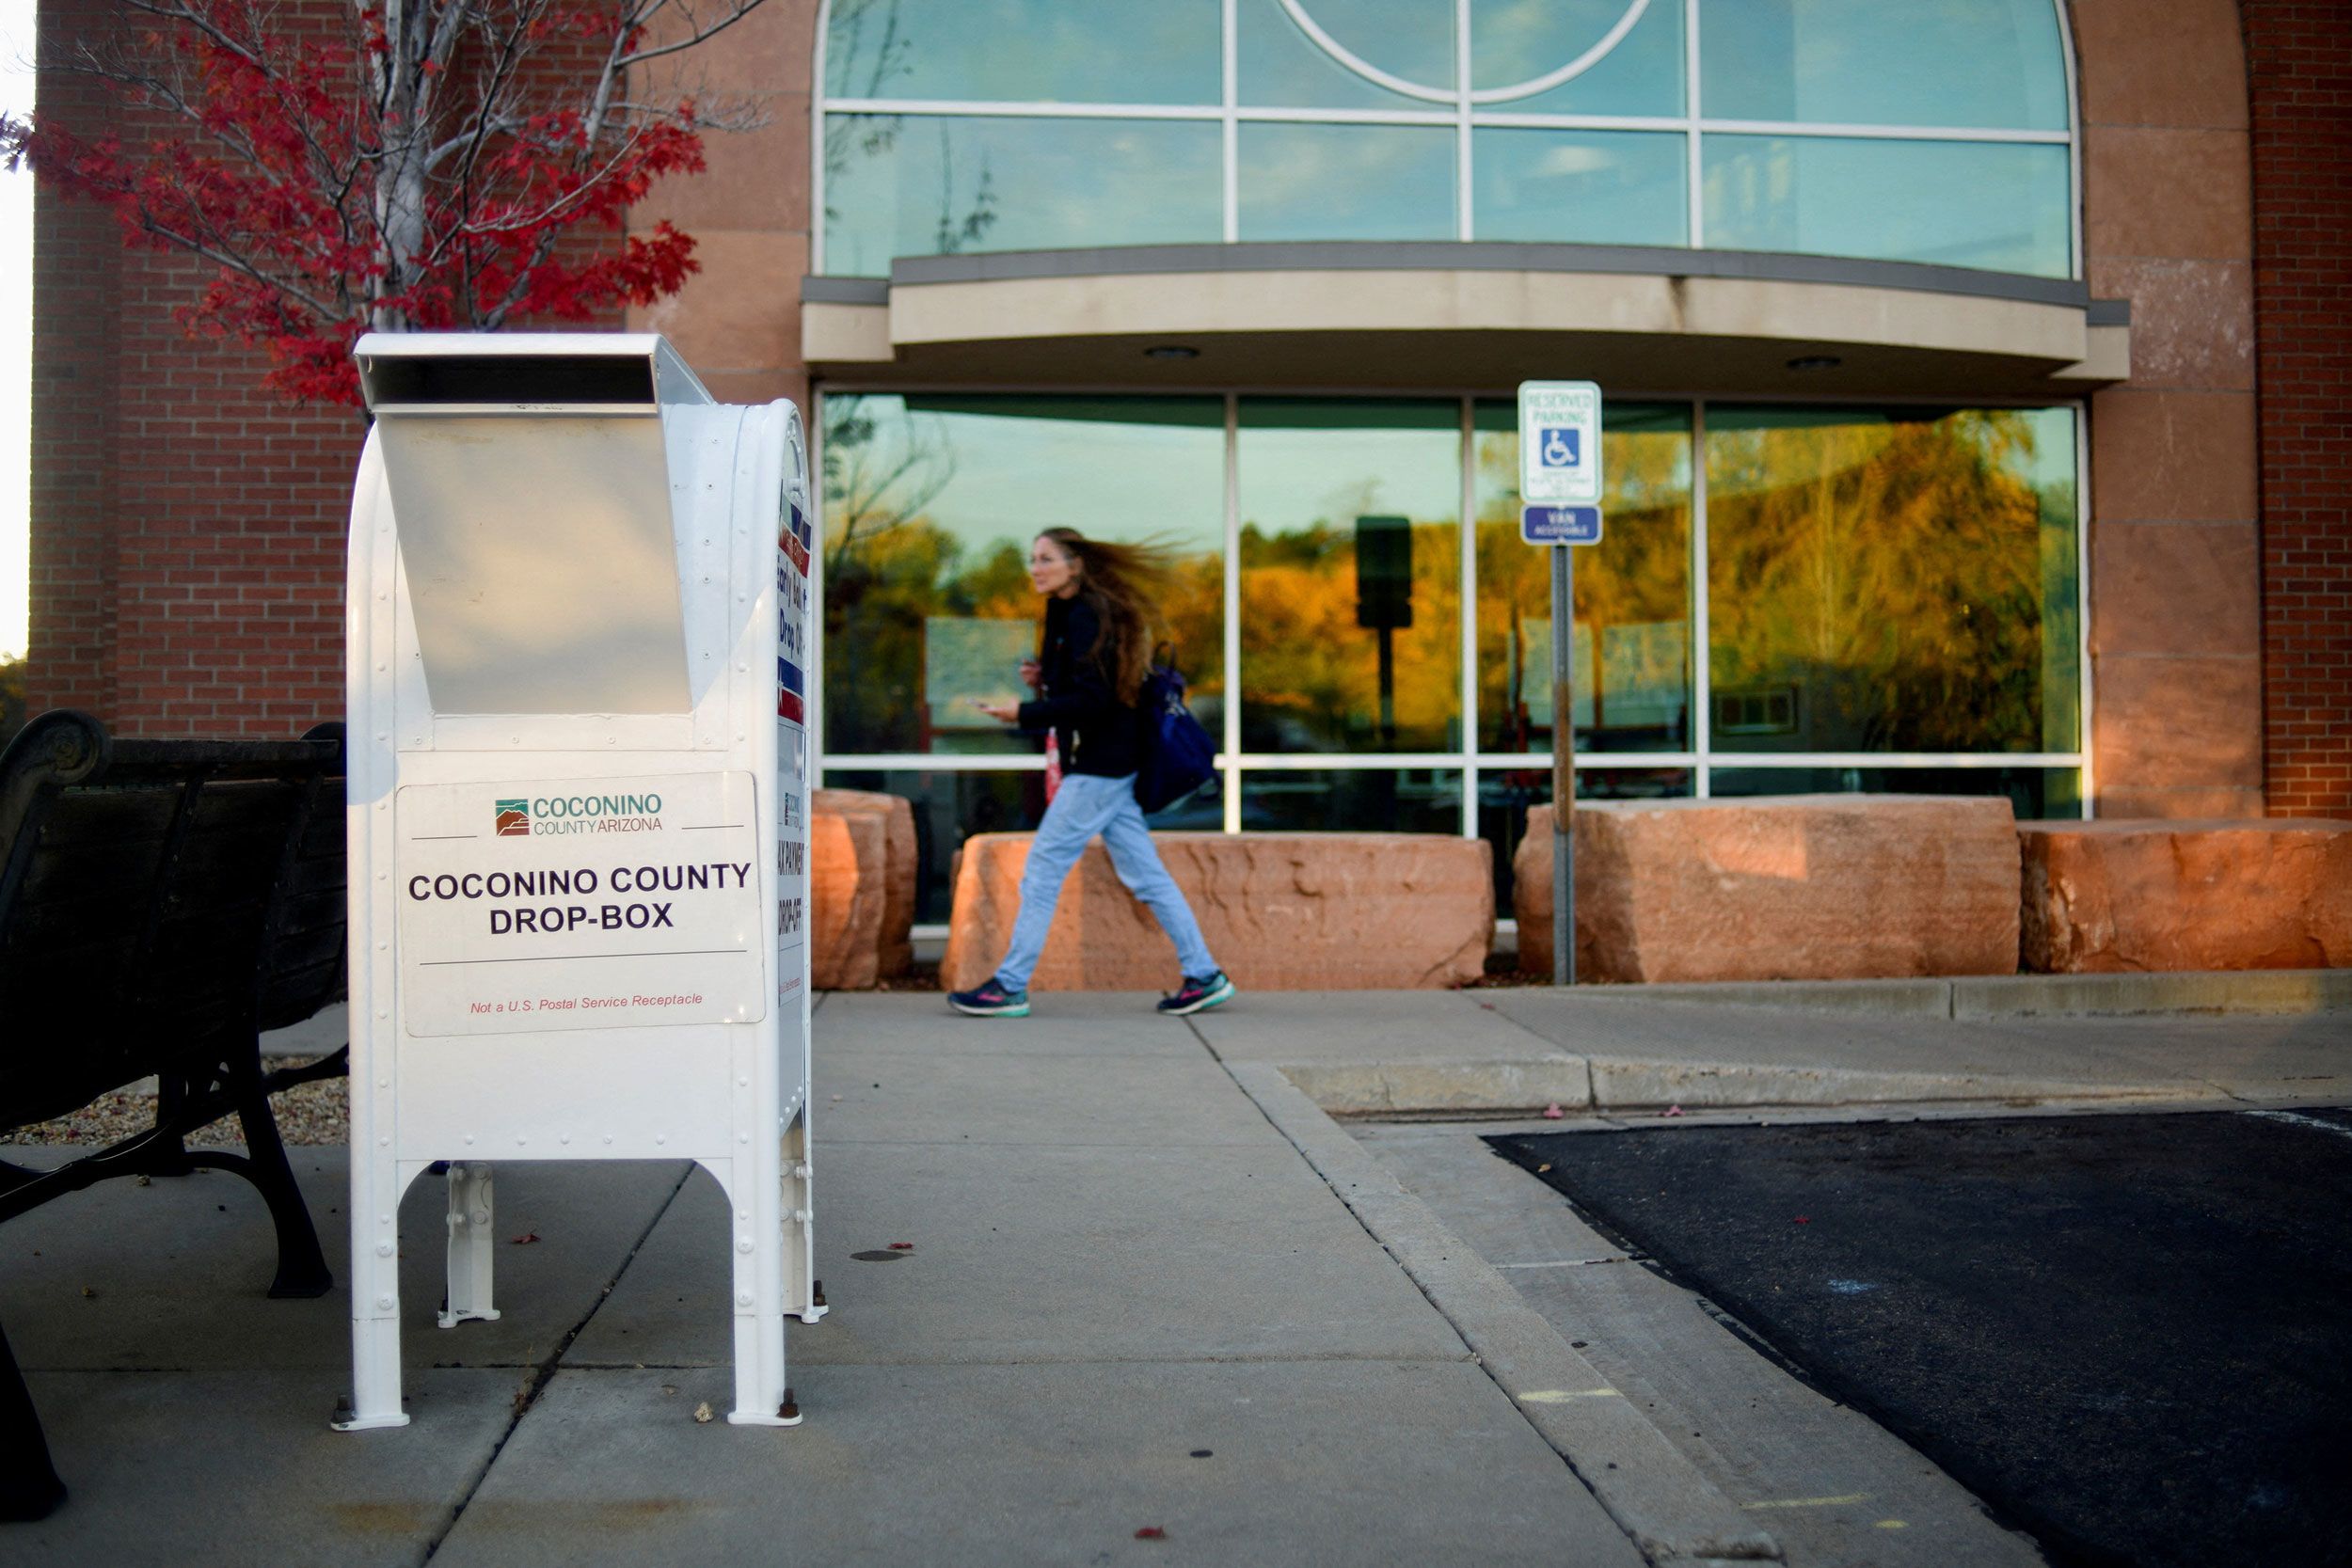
(1559, 448)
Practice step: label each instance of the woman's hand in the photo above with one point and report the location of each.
(1031, 669)
(1005, 711)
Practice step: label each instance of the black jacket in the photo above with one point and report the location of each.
(1095, 732)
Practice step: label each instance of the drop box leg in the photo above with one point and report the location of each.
(473, 1241)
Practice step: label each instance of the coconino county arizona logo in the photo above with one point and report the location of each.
(542, 816)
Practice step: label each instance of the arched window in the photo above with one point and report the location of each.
(1933, 131)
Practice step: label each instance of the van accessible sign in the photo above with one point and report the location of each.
(604, 903)
(1559, 476)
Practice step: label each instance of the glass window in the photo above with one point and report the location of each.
(1630, 659)
(1513, 42)
(1973, 63)
(1963, 205)
(1373, 800)
(2035, 794)
(1350, 575)
(1346, 183)
(1283, 68)
(1326, 153)
(930, 503)
(1025, 51)
(1892, 581)
(1580, 187)
(938, 185)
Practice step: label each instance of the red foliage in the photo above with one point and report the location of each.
(286, 151)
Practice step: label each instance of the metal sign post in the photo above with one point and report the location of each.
(578, 810)
(1560, 480)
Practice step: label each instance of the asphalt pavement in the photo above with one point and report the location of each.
(2125, 1333)
(1154, 1304)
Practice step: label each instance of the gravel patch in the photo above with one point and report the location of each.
(307, 1114)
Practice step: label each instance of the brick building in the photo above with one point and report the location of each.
(1978, 398)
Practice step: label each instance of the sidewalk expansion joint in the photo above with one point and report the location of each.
(1669, 1508)
(544, 1371)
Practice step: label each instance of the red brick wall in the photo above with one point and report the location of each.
(188, 527)
(2298, 61)
(76, 284)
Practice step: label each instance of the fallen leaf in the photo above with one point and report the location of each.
(1554, 1113)
(1545, 1166)
(526, 1238)
(701, 1414)
(1151, 1533)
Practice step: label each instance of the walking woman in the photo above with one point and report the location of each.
(1089, 672)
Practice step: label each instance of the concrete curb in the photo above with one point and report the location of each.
(1990, 996)
(1527, 1087)
(1372, 1089)
(1672, 1512)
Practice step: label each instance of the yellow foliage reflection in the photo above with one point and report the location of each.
(1632, 650)
(1889, 583)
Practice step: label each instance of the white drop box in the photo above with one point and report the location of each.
(579, 809)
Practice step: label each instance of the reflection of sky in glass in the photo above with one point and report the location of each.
(1868, 62)
(1045, 184)
(1112, 478)
(1582, 187)
(1304, 464)
(1283, 68)
(1346, 183)
(1514, 40)
(1025, 51)
(1961, 204)
(930, 185)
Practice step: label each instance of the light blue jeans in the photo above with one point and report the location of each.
(1083, 806)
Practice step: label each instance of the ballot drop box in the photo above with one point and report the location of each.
(578, 810)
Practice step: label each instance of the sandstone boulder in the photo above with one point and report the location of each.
(845, 906)
(2140, 894)
(1281, 912)
(1799, 887)
(895, 954)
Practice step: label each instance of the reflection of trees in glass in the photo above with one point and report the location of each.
(1889, 574)
(864, 51)
(865, 48)
(1638, 575)
(1314, 680)
(891, 562)
(884, 560)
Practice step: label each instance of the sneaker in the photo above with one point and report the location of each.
(1194, 995)
(991, 1000)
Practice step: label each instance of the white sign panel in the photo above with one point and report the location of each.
(1559, 443)
(580, 904)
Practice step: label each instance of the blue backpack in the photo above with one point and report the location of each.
(1178, 755)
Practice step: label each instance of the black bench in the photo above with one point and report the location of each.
(162, 903)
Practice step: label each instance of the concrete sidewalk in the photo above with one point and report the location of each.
(1504, 1051)
(1152, 1287)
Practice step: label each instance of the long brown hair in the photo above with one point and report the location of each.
(1125, 585)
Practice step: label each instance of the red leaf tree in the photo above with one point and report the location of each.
(388, 164)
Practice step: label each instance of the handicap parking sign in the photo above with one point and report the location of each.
(1560, 455)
